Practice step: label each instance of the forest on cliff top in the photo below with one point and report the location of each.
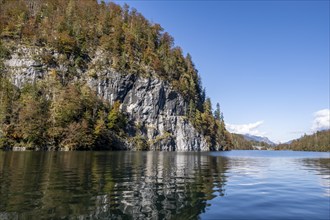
(62, 112)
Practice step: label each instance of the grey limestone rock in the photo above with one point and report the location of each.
(149, 102)
(152, 103)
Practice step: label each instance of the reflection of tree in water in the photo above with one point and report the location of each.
(43, 184)
(103, 185)
(322, 166)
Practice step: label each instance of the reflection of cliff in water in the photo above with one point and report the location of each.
(108, 184)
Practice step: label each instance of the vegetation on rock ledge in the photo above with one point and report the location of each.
(62, 112)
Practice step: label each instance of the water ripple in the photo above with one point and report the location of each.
(163, 185)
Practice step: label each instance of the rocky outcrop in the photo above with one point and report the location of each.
(25, 65)
(150, 103)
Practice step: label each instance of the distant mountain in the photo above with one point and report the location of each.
(259, 139)
(250, 142)
(288, 142)
(240, 143)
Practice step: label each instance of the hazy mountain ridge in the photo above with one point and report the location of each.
(259, 139)
(250, 142)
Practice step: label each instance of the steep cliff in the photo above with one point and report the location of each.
(84, 75)
(150, 103)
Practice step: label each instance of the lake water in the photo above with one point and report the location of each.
(165, 185)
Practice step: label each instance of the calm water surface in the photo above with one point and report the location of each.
(165, 185)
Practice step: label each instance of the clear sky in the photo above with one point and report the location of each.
(265, 62)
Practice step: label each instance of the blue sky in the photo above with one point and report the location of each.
(265, 62)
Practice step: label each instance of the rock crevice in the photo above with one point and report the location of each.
(150, 102)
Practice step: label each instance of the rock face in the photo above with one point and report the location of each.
(23, 66)
(150, 103)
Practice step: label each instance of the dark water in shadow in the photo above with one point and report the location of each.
(164, 185)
